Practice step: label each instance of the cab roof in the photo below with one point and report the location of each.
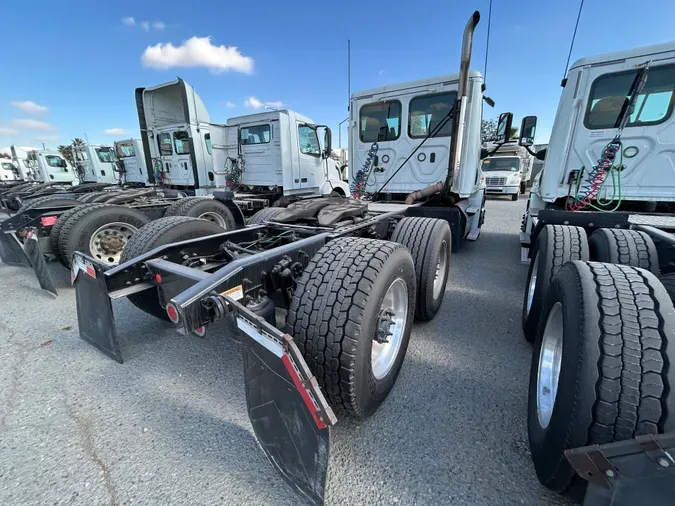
(448, 78)
(659, 50)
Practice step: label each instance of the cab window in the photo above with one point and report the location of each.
(258, 134)
(180, 141)
(55, 161)
(125, 150)
(380, 122)
(8, 166)
(608, 93)
(164, 143)
(427, 113)
(207, 141)
(309, 140)
(106, 155)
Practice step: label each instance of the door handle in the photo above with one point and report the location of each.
(303, 180)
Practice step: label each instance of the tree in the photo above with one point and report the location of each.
(66, 152)
(5, 155)
(514, 133)
(78, 143)
(488, 130)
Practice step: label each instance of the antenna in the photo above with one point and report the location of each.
(574, 36)
(349, 72)
(487, 43)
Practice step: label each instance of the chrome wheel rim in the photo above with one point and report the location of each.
(532, 283)
(213, 218)
(392, 321)
(441, 268)
(550, 361)
(107, 242)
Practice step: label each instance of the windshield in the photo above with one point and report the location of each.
(106, 155)
(54, 161)
(125, 150)
(511, 164)
(8, 166)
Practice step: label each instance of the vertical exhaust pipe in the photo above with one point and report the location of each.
(457, 138)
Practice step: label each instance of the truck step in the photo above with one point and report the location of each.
(524, 238)
(473, 235)
(471, 210)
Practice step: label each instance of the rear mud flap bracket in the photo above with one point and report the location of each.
(290, 416)
(94, 307)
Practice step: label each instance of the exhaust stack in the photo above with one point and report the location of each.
(457, 138)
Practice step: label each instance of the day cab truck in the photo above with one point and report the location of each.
(508, 171)
(347, 275)
(264, 158)
(598, 301)
(131, 165)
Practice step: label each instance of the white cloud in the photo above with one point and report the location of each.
(29, 106)
(230, 104)
(48, 138)
(32, 124)
(128, 21)
(7, 131)
(197, 52)
(159, 25)
(145, 25)
(254, 103)
(115, 131)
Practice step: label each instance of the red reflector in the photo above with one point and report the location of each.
(49, 221)
(201, 331)
(171, 311)
(158, 279)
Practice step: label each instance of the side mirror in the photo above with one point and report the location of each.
(527, 130)
(327, 142)
(504, 127)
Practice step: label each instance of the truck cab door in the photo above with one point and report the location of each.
(310, 162)
(223, 143)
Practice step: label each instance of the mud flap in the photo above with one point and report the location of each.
(37, 261)
(11, 251)
(289, 414)
(94, 307)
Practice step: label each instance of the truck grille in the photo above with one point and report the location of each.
(495, 181)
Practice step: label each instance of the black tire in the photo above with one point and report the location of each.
(668, 282)
(79, 228)
(625, 247)
(157, 233)
(265, 214)
(195, 207)
(424, 237)
(556, 245)
(334, 316)
(514, 197)
(49, 200)
(88, 197)
(615, 383)
(55, 232)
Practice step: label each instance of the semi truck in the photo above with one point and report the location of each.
(598, 301)
(131, 164)
(508, 171)
(349, 275)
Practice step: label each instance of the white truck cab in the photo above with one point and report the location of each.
(508, 171)
(269, 154)
(175, 126)
(131, 164)
(95, 163)
(8, 171)
(595, 91)
(20, 161)
(276, 151)
(49, 167)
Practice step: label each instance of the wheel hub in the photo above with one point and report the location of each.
(550, 362)
(112, 243)
(390, 329)
(108, 242)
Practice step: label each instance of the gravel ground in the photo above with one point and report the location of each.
(169, 427)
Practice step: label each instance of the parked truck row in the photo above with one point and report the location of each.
(352, 274)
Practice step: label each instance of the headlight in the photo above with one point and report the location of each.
(515, 178)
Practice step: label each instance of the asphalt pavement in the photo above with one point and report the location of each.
(169, 426)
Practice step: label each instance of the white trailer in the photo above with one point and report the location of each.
(508, 171)
(598, 301)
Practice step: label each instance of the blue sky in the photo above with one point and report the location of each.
(72, 70)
